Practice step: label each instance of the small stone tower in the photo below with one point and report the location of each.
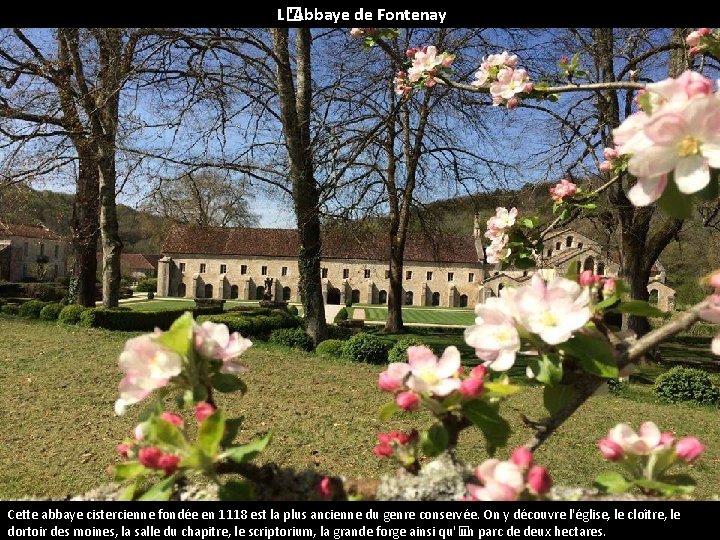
(478, 231)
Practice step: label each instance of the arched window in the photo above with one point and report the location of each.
(568, 241)
(501, 287)
(355, 296)
(333, 296)
(463, 300)
(580, 245)
(558, 245)
(549, 252)
(182, 290)
(233, 292)
(382, 297)
(409, 298)
(589, 264)
(436, 299)
(208, 291)
(653, 298)
(286, 294)
(601, 269)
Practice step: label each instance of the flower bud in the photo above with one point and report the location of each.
(325, 488)
(168, 463)
(689, 449)
(522, 457)
(174, 419)
(610, 450)
(587, 278)
(149, 456)
(539, 480)
(471, 387)
(202, 411)
(407, 401)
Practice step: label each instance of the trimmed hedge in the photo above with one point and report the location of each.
(51, 312)
(40, 291)
(398, 352)
(342, 315)
(293, 310)
(330, 348)
(260, 326)
(249, 311)
(683, 385)
(10, 309)
(135, 321)
(71, 314)
(365, 348)
(147, 285)
(31, 309)
(295, 338)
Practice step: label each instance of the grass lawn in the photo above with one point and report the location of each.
(170, 305)
(59, 432)
(424, 315)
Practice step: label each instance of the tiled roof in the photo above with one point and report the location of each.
(337, 244)
(130, 262)
(27, 231)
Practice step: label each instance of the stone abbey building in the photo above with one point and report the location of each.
(234, 263)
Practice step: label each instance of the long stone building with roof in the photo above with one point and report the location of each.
(28, 253)
(234, 263)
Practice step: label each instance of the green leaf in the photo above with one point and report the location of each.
(179, 337)
(593, 354)
(711, 192)
(232, 426)
(555, 397)
(528, 223)
(211, 432)
(195, 459)
(644, 102)
(161, 491)
(548, 369)
(674, 203)
(246, 452)
(499, 389)
(128, 494)
(640, 308)
(666, 488)
(435, 440)
(199, 393)
(388, 410)
(126, 471)
(607, 302)
(612, 482)
(572, 271)
(236, 490)
(225, 382)
(486, 417)
(523, 263)
(166, 433)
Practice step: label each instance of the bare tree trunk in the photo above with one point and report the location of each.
(111, 243)
(295, 110)
(85, 230)
(638, 252)
(394, 321)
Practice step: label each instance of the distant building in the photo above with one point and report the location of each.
(135, 265)
(28, 252)
(234, 264)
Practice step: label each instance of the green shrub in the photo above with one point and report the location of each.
(127, 320)
(330, 348)
(260, 326)
(31, 309)
(339, 332)
(681, 385)
(342, 315)
(40, 291)
(293, 310)
(2, 302)
(295, 338)
(348, 303)
(147, 285)
(151, 295)
(249, 311)
(398, 352)
(51, 312)
(365, 348)
(10, 309)
(71, 314)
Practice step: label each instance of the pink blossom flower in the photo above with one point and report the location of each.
(422, 62)
(393, 378)
(565, 188)
(512, 103)
(666, 439)
(390, 441)
(383, 450)
(522, 457)
(174, 419)
(407, 401)
(216, 342)
(563, 59)
(693, 51)
(431, 375)
(553, 310)
(202, 411)
(610, 450)
(587, 278)
(689, 449)
(498, 250)
(610, 153)
(481, 77)
(446, 60)
(123, 449)
(149, 456)
(539, 480)
(168, 463)
(356, 32)
(478, 372)
(494, 335)
(147, 365)
(402, 86)
(509, 83)
(471, 387)
(502, 481)
(605, 166)
(641, 444)
(693, 39)
(502, 59)
(502, 220)
(608, 287)
(325, 488)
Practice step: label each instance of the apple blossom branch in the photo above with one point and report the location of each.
(585, 384)
(587, 87)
